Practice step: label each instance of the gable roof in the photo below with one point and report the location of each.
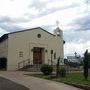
(5, 36)
(32, 29)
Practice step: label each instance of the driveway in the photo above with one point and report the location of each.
(34, 83)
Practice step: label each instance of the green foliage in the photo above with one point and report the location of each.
(89, 64)
(75, 78)
(46, 69)
(62, 72)
(86, 61)
(89, 61)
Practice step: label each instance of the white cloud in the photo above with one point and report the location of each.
(64, 17)
(76, 41)
(45, 0)
(15, 8)
(32, 12)
(72, 47)
(25, 14)
(56, 4)
(77, 36)
(64, 3)
(21, 9)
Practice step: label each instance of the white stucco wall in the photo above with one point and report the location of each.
(25, 41)
(4, 48)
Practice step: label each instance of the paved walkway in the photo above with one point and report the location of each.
(6, 84)
(35, 83)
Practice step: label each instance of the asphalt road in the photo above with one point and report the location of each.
(6, 84)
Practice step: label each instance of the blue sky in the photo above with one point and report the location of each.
(73, 17)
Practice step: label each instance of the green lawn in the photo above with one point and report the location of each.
(75, 78)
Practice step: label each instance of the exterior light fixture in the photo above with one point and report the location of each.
(46, 51)
(32, 49)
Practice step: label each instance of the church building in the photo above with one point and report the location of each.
(33, 46)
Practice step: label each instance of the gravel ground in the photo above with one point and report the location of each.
(6, 84)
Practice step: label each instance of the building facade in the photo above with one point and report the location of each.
(75, 59)
(36, 46)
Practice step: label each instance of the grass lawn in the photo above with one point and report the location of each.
(75, 78)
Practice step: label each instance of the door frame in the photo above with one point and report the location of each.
(41, 50)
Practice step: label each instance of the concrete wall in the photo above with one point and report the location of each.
(25, 41)
(4, 48)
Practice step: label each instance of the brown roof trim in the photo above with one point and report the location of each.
(32, 29)
(5, 36)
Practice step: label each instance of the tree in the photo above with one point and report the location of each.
(57, 67)
(89, 61)
(86, 61)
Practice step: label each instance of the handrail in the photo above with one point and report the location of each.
(23, 63)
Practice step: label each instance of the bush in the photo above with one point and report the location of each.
(46, 69)
(62, 72)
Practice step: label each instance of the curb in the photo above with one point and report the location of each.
(85, 87)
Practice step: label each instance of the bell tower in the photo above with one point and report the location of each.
(58, 31)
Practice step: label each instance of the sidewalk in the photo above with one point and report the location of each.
(6, 84)
(35, 83)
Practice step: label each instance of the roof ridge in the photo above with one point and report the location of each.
(5, 36)
(31, 29)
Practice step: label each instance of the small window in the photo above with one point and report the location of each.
(20, 54)
(54, 55)
(39, 35)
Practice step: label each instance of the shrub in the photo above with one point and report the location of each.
(46, 69)
(62, 72)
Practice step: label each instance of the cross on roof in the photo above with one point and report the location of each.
(75, 54)
(57, 23)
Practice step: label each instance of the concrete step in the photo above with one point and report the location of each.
(30, 68)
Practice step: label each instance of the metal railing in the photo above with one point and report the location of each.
(24, 63)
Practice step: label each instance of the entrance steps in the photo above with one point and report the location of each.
(32, 68)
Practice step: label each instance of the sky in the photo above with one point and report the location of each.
(73, 17)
